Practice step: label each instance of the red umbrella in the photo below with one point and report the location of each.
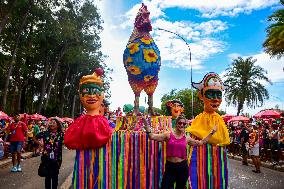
(58, 118)
(37, 116)
(3, 115)
(68, 119)
(268, 114)
(227, 117)
(25, 116)
(239, 118)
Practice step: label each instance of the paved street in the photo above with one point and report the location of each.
(241, 177)
(29, 179)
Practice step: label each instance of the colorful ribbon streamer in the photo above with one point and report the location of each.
(131, 161)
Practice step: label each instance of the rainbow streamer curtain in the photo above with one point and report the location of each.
(208, 167)
(131, 161)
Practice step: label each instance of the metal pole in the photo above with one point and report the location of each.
(190, 65)
(192, 115)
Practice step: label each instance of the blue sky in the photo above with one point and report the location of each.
(216, 30)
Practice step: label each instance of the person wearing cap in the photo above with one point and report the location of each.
(210, 92)
(254, 148)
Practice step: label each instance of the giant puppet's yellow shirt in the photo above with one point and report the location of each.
(203, 124)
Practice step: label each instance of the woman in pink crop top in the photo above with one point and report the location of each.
(176, 170)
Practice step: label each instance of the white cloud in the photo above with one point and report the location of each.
(233, 56)
(174, 51)
(267, 105)
(275, 73)
(273, 66)
(212, 8)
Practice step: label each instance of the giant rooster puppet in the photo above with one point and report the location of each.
(142, 59)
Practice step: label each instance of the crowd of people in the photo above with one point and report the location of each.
(258, 139)
(41, 137)
(265, 138)
(34, 127)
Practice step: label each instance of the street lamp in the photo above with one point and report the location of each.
(189, 62)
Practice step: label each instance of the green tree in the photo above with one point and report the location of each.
(243, 79)
(184, 96)
(46, 47)
(274, 43)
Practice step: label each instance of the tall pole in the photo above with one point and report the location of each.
(192, 115)
(189, 63)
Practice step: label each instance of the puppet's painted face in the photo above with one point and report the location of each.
(176, 109)
(212, 99)
(91, 96)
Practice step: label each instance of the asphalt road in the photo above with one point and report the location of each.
(241, 177)
(28, 179)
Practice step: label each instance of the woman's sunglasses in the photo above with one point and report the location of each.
(182, 123)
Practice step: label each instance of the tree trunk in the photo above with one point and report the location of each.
(150, 105)
(43, 88)
(19, 100)
(136, 104)
(6, 18)
(23, 100)
(52, 75)
(13, 101)
(62, 96)
(240, 107)
(5, 90)
(73, 106)
(70, 88)
(14, 51)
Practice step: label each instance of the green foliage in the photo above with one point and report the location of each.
(142, 109)
(127, 108)
(185, 97)
(158, 110)
(243, 80)
(221, 112)
(55, 43)
(274, 43)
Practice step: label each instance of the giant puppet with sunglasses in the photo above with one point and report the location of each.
(215, 174)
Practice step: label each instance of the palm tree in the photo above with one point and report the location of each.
(243, 79)
(274, 43)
